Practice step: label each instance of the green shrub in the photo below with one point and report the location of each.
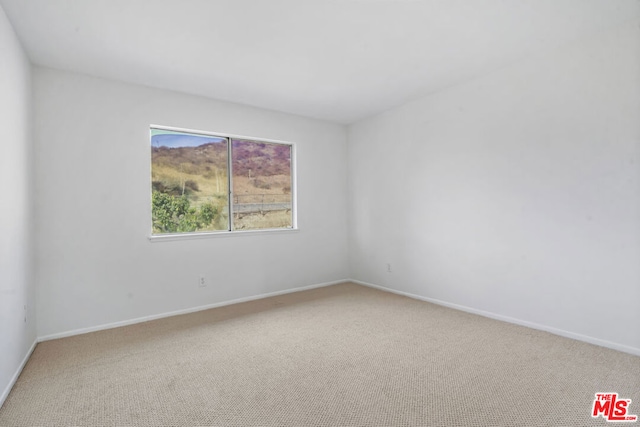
(207, 213)
(174, 214)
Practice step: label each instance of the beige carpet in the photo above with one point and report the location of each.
(344, 355)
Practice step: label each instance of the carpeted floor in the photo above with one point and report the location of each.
(343, 355)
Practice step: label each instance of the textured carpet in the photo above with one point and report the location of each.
(344, 355)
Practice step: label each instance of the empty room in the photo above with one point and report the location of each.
(320, 213)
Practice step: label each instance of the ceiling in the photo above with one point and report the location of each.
(336, 60)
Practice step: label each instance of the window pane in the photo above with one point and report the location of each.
(261, 185)
(189, 182)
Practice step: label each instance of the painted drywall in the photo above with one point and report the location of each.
(516, 194)
(16, 278)
(96, 265)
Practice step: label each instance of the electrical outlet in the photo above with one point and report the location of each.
(389, 270)
(202, 282)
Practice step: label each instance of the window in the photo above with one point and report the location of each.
(192, 172)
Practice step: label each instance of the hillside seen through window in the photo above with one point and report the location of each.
(191, 174)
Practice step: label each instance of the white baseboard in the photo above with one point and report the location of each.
(9, 386)
(567, 334)
(184, 311)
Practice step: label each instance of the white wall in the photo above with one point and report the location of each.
(16, 284)
(95, 263)
(516, 194)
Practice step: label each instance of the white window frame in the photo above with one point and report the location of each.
(230, 232)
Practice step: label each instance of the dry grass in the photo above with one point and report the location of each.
(217, 186)
(274, 184)
(213, 189)
(256, 221)
(208, 187)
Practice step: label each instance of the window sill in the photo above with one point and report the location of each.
(190, 236)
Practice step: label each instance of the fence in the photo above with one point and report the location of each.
(259, 203)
